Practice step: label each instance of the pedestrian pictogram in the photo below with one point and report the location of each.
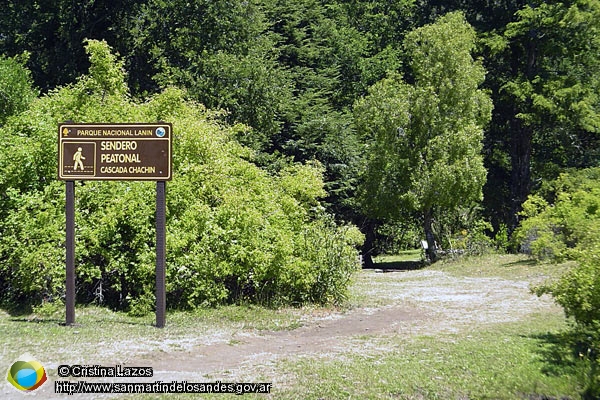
(77, 158)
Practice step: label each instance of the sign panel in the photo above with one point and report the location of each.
(114, 151)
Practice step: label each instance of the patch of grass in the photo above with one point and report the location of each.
(405, 261)
(408, 255)
(46, 337)
(363, 283)
(499, 363)
(251, 317)
(508, 266)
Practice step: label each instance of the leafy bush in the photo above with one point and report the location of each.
(473, 240)
(465, 231)
(577, 292)
(16, 90)
(234, 232)
(564, 223)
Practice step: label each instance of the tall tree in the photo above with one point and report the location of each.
(543, 60)
(553, 87)
(222, 52)
(424, 140)
(53, 33)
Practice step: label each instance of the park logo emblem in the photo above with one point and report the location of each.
(26, 374)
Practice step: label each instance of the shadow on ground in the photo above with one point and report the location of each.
(571, 353)
(394, 266)
(520, 263)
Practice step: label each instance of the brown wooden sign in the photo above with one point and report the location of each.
(114, 151)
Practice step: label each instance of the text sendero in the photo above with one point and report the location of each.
(118, 145)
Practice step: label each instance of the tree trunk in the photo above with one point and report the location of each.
(520, 185)
(368, 247)
(431, 251)
(521, 135)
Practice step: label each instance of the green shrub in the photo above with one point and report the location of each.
(16, 87)
(31, 248)
(565, 223)
(235, 233)
(466, 232)
(477, 240)
(501, 239)
(577, 292)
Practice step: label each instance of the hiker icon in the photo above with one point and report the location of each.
(77, 157)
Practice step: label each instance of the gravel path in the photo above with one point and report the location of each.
(418, 302)
(423, 302)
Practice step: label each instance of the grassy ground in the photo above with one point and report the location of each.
(508, 360)
(97, 329)
(507, 266)
(407, 260)
(499, 361)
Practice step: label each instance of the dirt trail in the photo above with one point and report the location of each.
(419, 302)
(414, 302)
(324, 336)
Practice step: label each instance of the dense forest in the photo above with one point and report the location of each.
(449, 121)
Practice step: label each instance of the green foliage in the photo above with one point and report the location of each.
(474, 241)
(424, 140)
(569, 91)
(502, 239)
(16, 91)
(465, 231)
(291, 71)
(396, 236)
(235, 232)
(567, 223)
(547, 87)
(52, 32)
(448, 113)
(378, 117)
(288, 70)
(577, 292)
(31, 249)
(106, 70)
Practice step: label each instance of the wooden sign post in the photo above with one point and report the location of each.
(138, 152)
